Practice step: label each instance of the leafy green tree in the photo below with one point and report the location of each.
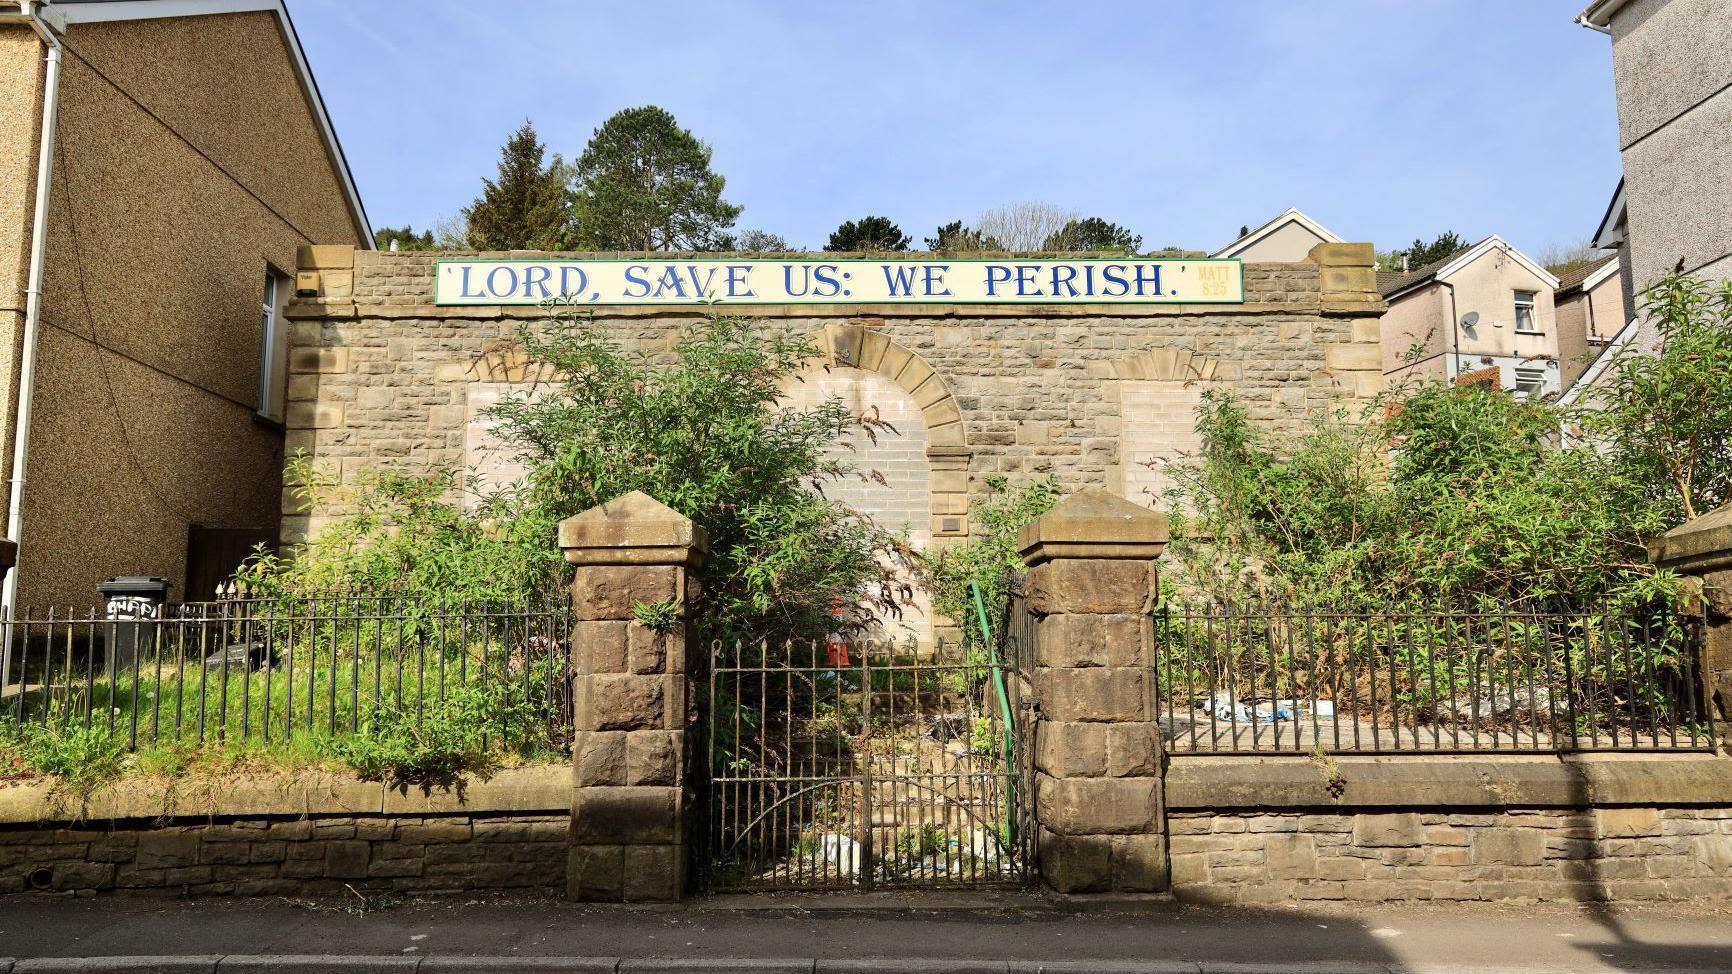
(953, 237)
(707, 431)
(868, 234)
(645, 183)
(1666, 415)
(405, 237)
(529, 206)
(1093, 233)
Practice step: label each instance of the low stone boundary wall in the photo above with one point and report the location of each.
(301, 837)
(1442, 828)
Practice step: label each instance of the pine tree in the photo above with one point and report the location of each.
(953, 237)
(404, 237)
(870, 233)
(529, 206)
(644, 183)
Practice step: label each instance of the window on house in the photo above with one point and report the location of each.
(1530, 382)
(1525, 320)
(273, 346)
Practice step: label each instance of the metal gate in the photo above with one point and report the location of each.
(862, 765)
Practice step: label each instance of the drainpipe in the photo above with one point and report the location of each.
(1453, 370)
(32, 12)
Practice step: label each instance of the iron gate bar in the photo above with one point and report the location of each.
(836, 765)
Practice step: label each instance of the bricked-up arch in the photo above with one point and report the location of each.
(1158, 392)
(947, 449)
(505, 360)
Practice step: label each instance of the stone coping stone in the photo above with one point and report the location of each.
(541, 789)
(1093, 524)
(1703, 544)
(633, 528)
(1448, 781)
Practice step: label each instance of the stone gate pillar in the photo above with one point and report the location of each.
(1097, 752)
(631, 796)
(1703, 548)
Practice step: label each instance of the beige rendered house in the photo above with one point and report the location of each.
(1590, 313)
(142, 276)
(1485, 314)
(1286, 239)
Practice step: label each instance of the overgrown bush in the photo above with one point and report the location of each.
(704, 428)
(426, 538)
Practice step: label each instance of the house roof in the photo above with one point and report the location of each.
(1599, 13)
(1610, 233)
(1438, 269)
(106, 11)
(1285, 217)
(1595, 270)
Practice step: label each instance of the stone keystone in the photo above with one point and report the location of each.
(635, 529)
(1093, 524)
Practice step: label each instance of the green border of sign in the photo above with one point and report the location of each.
(840, 260)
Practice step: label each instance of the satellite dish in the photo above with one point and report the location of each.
(1470, 319)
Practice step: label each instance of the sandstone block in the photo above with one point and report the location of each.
(595, 873)
(649, 651)
(1099, 694)
(629, 815)
(622, 702)
(167, 850)
(654, 873)
(1090, 585)
(346, 859)
(599, 758)
(1509, 847)
(1396, 829)
(1077, 863)
(1139, 863)
(611, 591)
(653, 757)
(1133, 750)
(1098, 806)
(1067, 750)
(1628, 822)
(1075, 640)
(599, 647)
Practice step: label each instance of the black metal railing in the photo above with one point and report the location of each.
(286, 673)
(860, 765)
(1259, 678)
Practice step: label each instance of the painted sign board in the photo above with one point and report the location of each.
(739, 281)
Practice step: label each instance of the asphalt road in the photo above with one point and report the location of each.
(881, 934)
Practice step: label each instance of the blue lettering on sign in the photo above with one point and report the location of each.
(636, 285)
(1063, 276)
(1116, 286)
(816, 281)
(536, 276)
(669, 281)
(1025, 287)
(934, 281)
(738, 286)
(1150, 275)
(509, 289)
(566, 289)
(996, 274)
(465, 292)
(899, 279)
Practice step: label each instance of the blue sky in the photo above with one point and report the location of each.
(1384, 119)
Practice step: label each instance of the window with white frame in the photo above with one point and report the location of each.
(1526, 321)
(273, 346)
(1530, 382)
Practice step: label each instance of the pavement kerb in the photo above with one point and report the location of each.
(458, 964)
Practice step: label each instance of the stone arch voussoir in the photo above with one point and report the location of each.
(947, 448)
(1167, 365)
